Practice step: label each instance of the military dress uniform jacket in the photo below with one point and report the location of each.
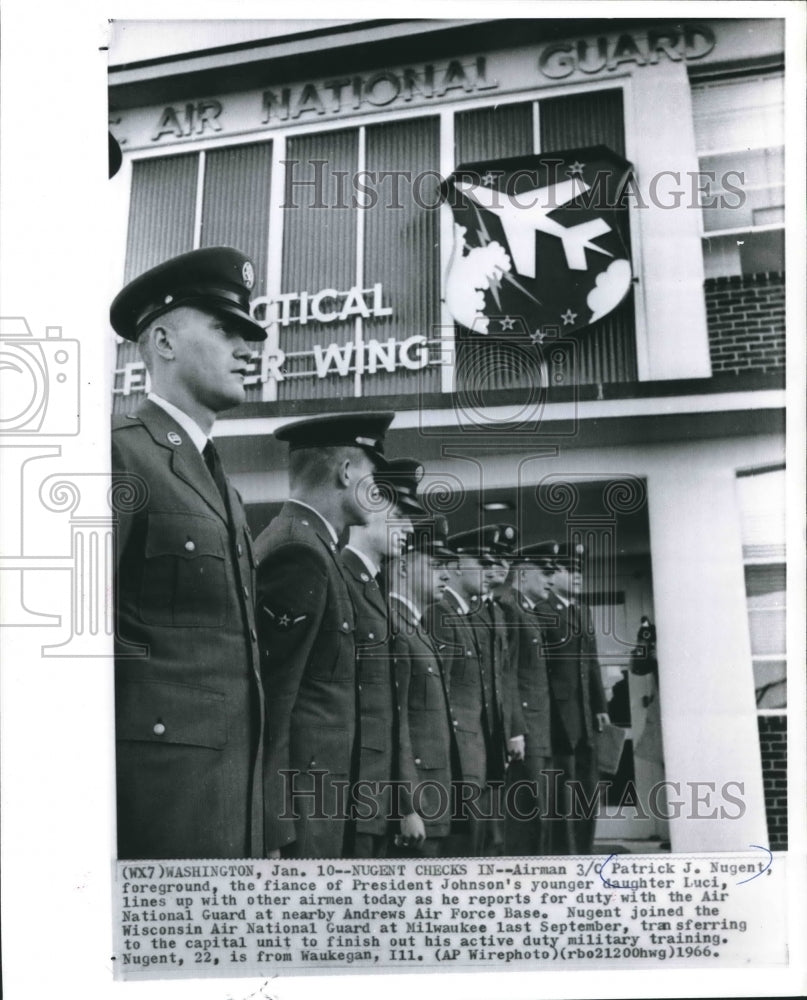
(505, 720)
(426, 715)
(378, 733)
(526, 643)
(575, 683)
(306, 629)
(189, 709)
(468, 698)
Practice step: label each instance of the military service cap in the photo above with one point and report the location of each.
(216, 279)
(488, 543)
(570, 555)
(352, 430)
(541, 554)
(504, 538)
(430, 537)
(401, 477)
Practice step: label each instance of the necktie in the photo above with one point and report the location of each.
(213, 463)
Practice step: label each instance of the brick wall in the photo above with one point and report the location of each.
(773, 744)
(746, 318)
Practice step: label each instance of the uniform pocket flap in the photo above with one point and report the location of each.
(184, 535)
(161, 712)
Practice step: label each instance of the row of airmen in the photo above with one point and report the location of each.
(476, 691)
(408, 691)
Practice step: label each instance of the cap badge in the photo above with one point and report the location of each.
(248, 274)
(173, 437)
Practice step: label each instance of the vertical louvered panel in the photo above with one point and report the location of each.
(235, 211)
(161, 211)
(235, 206)
(401, 247)
(161, 217)
(319, 251)
(583, 120)
(493, 133)
(606, 351)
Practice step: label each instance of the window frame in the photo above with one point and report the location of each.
(750, 75)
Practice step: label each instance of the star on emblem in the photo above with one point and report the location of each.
(488, 178)
(507, 323)
(538, 337)
(568, 317)
(575, 169)
(283, 621)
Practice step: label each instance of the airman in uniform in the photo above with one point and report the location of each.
(482, 686)
(577, 702)
(381, 742)
(433, 767)
(188, 697)
(531, 569)
(307, 630)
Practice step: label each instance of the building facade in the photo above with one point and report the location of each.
(655, 436)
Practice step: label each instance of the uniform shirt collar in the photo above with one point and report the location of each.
(372, 569)
(464, 607)
(412, 607)
(188, 424)
(324, 520)
(563, 600)
(525, 600)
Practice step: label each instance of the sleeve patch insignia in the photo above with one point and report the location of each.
(282, 620)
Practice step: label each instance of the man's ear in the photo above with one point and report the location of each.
(344, 472)
(162, 341)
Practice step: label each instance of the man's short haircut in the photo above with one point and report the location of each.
(310, 467)
(171, 320)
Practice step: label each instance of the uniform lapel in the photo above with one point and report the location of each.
(186, 462)
(360, 573)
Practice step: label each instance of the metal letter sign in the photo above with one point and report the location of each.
(539, 245)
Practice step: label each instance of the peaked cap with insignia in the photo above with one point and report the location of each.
(401, 478)
(570, 555)
(488, 543)
(215, 279)
(431, 537)
(541, 554)
(353, 430)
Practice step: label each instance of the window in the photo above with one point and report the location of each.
(739, 135)
(762, 507)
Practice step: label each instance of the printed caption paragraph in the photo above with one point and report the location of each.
(232, 918)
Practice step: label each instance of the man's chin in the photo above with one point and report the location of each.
(232, 399)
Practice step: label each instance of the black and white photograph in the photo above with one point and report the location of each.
(409, 534)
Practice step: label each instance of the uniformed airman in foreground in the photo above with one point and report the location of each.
(189, 704)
